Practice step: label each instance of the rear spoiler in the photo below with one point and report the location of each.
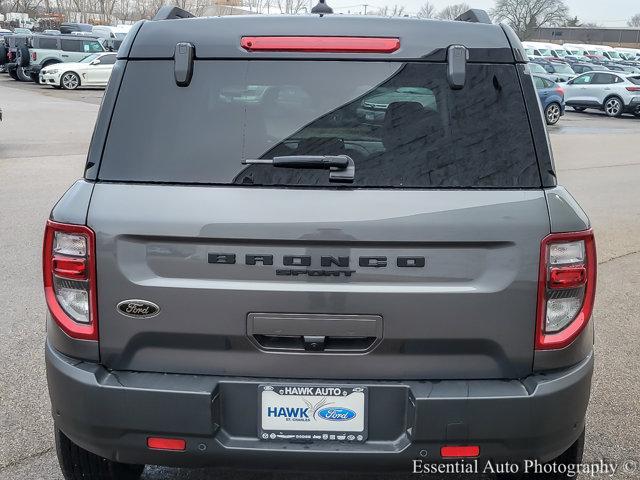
(169, 12)
(475, 15)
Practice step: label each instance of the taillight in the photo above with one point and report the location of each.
(68, 261)
(34, 56)
(566, 288)
(633, 89)
(321, 44)
(559, 91)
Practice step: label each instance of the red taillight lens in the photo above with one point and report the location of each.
(566, 288)
(321, 44)
(173, 444)
(34, 56)
(467, 451)
(68, 261)
(75, 268)
(567, 277)
(559, 91)
(633, 89)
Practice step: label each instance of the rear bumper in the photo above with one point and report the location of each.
(112, 414)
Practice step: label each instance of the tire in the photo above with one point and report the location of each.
(3, 54)
(79, 464)
(636, 112)
(572, 456)
(22, 75)
(13, 74)
(22, 57)
(613, 107)
(552, 113)
(69, 80)
(579, 109)
(35, 77)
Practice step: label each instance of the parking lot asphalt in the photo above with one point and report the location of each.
(43, 142)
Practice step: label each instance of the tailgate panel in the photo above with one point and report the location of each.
(453, 277)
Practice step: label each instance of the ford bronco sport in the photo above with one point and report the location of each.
(319, 241)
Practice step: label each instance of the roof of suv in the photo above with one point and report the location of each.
(219, 37)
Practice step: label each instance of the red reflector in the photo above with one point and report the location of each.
(174, 444)
(633, 89)
(321, 44)
(34, 56)
(567, 277)
(459, 452)
(69, 267)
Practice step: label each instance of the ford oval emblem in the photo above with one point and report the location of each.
(138, 308)
(337, 414)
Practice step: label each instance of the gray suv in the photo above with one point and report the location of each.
(251, 271)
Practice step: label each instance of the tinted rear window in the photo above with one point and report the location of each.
(400, 122)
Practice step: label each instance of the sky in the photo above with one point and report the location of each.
(609, 13)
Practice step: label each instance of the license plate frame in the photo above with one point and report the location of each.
(311, 412)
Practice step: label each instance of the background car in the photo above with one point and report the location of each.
(551, 97)
(92, 71)
(614, 93)
(560, 71)
(581, 68)
(45, 50)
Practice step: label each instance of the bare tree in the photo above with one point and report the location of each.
(291, 7)
(427, 10)
(634, 21)
(387, 11)
(527, 15)
(453, 11)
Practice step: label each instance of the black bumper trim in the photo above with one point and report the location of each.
(112, 413)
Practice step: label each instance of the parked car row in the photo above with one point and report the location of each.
(63, 60)
(589, 76)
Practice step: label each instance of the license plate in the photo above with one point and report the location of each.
(313, 412)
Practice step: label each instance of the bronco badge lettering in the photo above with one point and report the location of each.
(343, 262)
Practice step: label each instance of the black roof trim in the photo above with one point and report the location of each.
(169, 12)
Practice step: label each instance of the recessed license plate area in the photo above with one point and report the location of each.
(312, 413)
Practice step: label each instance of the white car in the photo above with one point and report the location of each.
(92, 71)
(614, 92)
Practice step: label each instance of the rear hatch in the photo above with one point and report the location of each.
(424, 267)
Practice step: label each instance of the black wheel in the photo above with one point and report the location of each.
(579, 109)
(636, 112)
(79, 464)
(552, 113)
(22, 75)
(69, 81)
(35, 77)
(3, 54)
(13, 74)
(572, 456)
(613, 106)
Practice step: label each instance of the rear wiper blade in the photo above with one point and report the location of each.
(341, 167)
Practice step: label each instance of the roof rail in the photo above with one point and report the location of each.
(169, 12)
(475, 15)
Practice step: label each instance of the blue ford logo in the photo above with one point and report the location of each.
(337, 414)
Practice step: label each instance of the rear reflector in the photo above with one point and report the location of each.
(321, 44)
(468, 451)
(173, 444)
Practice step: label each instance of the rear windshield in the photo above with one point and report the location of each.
(401, 123)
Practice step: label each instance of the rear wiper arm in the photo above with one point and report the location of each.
(341, 167)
